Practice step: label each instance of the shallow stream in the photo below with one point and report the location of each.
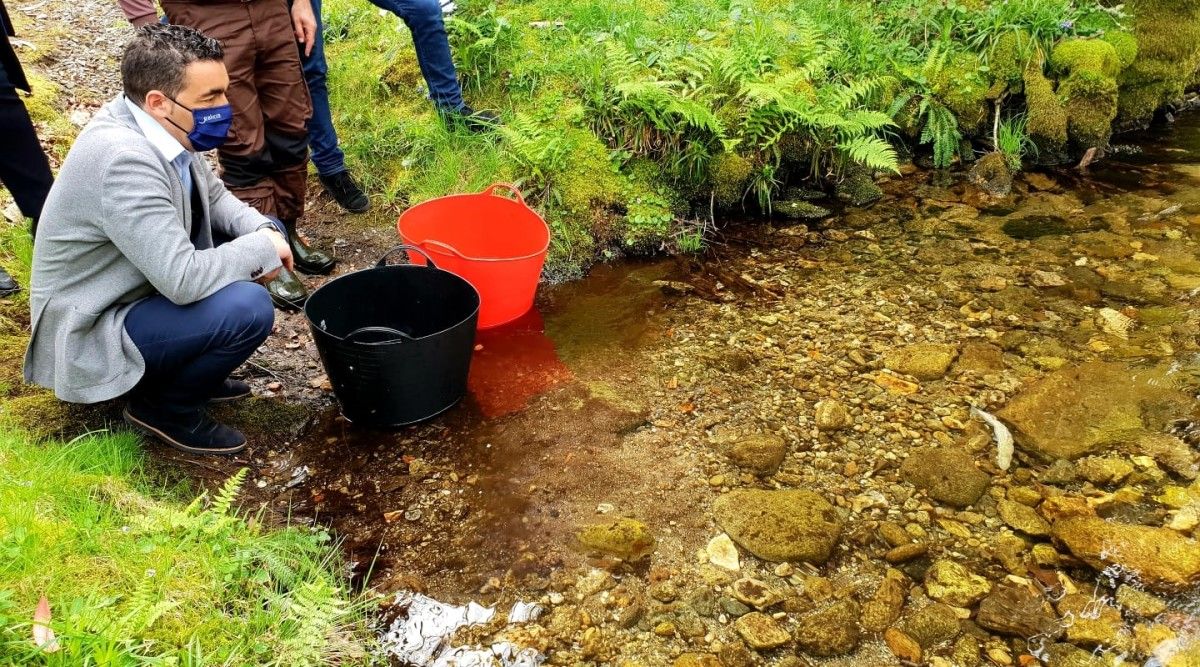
(842, 360)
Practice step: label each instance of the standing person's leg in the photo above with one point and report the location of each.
(327, 155)
(189, 351)
(24, 169)
(428, 27)
(246, 162)
(286, 109)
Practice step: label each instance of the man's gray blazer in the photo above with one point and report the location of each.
(117, 228)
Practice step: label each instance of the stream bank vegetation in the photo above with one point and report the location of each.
(626, 122)
(135, 575)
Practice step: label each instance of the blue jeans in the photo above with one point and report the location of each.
(428, 28)
(326, 155)
(190, 350)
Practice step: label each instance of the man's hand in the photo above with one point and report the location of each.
(284, 250)
(304, 22)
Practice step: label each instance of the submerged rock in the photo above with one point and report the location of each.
(761, 632)
(788, 525)
(947, 474)
(1093, 623)
(885, 606)
(830, 631)
(1016, 611)
(1159, 558)
(831, 415)
(924, 361)
(992, 174)
(1023, 518)
(932, 625)
(625, 538)
(760, 454)
(955, 585)
(1082, 410)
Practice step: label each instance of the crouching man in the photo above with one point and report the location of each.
(145, 266)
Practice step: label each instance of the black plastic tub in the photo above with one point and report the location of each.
(396, 341)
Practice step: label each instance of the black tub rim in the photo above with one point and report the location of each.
(382, 264)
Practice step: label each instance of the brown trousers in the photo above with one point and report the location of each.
(265, 161)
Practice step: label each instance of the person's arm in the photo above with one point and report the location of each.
(139, 12)
(139, 217)
(304, 24)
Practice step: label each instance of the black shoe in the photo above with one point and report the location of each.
(345, 192)
(476, 122)
(287, 292)
(230, 390)
(8, 286)
(307, 258)
(192, 431)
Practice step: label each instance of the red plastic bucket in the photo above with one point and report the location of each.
(495, 243)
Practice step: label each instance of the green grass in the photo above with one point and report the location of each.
(136, 577)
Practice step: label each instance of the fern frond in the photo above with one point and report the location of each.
(873, 152)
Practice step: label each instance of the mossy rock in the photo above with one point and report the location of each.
(858, 188)
(992, 174)
(728, 177)
(1010, 55)
(625, 538)
(43, 416)
(1047, 125)
(794, 209)
(1125, 45)
(960, 85)
(777, 526)
(1086, 55)
(1091, 104)
(1168, 39)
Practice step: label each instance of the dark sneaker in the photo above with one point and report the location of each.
(287, 292)
(307, 258)
(193, 432)
(475, 121)
(345, 192)
(230, 390)
(8, 286)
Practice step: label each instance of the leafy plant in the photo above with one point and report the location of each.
(1013, 140)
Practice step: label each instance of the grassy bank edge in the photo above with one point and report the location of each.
(136, 575)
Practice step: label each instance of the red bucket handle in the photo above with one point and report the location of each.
(491, 190)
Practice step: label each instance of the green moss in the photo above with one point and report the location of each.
(728, 177)
(963, 90)
(1168, 39)
(1126, 46)
(43, 416)
(45, 110)
(1010, 56)
(1086, 55)
(265, 417)
(1091, 107)
(626, 538)
(1047, 117)
(858, 188)
(591, 182)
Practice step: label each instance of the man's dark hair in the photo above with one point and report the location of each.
(158, 55)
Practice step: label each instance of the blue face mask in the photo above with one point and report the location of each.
(210, 126)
